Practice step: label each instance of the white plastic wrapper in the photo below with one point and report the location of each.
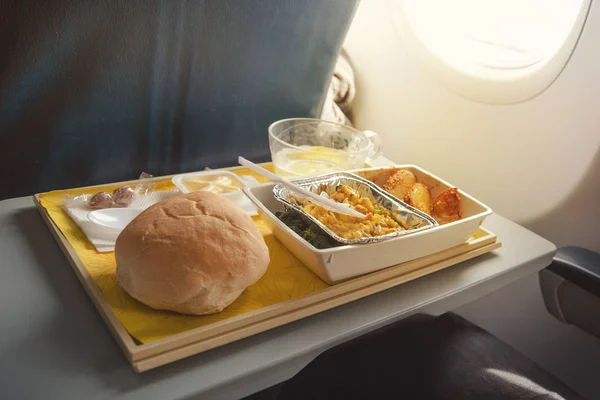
(122, 196)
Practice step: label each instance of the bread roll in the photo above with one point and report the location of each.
(193, 254)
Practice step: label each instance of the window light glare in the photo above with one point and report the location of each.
(499, 34)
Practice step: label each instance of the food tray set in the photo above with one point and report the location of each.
(300, 280)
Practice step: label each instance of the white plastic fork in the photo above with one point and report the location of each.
(315, 198)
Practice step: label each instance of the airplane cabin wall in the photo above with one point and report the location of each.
(536, 163)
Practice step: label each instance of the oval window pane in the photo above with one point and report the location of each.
(473, 46)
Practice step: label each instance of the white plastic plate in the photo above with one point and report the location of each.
(114, 218)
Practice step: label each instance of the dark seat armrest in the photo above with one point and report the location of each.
(579, 266)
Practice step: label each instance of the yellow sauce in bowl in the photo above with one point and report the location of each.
(217, 184)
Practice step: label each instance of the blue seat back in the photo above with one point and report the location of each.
(96, 92)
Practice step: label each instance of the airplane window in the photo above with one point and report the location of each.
(493, 51)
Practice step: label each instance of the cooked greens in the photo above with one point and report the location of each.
(307, 230)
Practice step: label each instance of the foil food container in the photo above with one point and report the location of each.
(410, 218)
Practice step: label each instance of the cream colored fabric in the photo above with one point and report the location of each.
(341, 92)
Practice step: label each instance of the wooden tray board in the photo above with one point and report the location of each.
(151, 355)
